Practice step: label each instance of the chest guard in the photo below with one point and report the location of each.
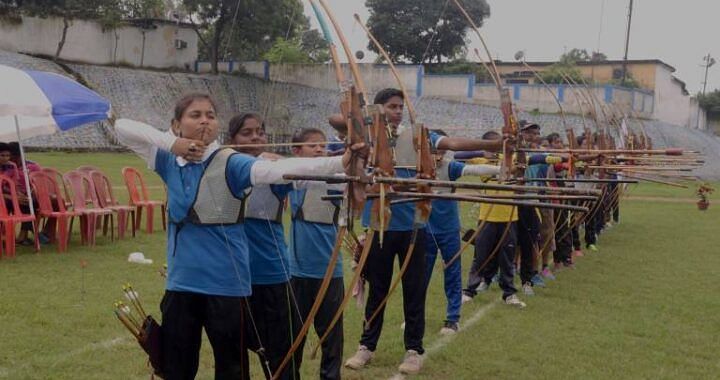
(315, 210)
(405, 154)
(215, 203)
(263, 204)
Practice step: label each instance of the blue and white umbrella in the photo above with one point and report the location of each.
(35, 103)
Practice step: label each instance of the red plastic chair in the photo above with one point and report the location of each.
(107, 200)
(140, 198)
(51, 207)
(88, 169)
(60, 181)
(82, 190)
(10, 218)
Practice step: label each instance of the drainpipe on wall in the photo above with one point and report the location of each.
(142, 52)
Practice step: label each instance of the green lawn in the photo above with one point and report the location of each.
(645, 306)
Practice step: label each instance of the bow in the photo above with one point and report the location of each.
(425, 168)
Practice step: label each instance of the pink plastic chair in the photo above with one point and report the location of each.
(89, 212)
(107, 200)
(140, 198)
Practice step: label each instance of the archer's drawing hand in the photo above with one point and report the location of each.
(191, 150)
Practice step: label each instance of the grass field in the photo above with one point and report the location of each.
(644, 306)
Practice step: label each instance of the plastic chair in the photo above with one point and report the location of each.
(140, 198)
(82, 190)
(52, 207)
(107, 200)
(60, 181)
(87, 169)
(10, 218)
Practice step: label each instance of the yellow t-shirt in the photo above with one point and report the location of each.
(493, 212)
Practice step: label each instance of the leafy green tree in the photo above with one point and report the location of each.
(243, 29)
(315, 46)
(422, 31)
(597, 56)
(710, 102)
(460, 66)
(581, 55)
(287, 51)
(574, 55)
(562, 73)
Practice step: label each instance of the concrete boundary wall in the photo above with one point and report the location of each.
(449, 86)
(166, 45)
(573, 99)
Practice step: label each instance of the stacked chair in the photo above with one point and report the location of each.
(86, 194)
(140, 198)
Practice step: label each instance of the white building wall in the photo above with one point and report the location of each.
(87, 42)
(448, 86)
(671, 105)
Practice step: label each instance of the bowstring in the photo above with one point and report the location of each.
(261, 349)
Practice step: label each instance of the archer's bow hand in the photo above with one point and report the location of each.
(358, 151)
(191, 150)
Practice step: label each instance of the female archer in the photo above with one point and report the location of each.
(208, 279)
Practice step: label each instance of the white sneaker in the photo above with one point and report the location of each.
(528, 289)
(402, 326)
(411, 364)
(513, 300)
(450, 328)
(361, 358)
(482, 287)
(466, 298)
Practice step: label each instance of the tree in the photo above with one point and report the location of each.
(422, 31)
(597, 56)
(287, 51)
(561, 73)
(461, 66)
(576, 55)
(710, 102)
(243, 29)
(315, 46)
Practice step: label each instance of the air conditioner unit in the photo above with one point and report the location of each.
(180, 44)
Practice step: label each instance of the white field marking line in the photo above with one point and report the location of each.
(443, 341)
(104, 345)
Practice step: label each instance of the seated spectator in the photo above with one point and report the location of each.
(11, 166)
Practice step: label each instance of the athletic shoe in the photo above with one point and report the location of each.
(537, 281)
(483, 287)
(402, 326)
(593, 247)
(43, 238)
(361, 358)
(548, 274)
(466, 298)
(25, 243)
(411, 364)
(608, 225)
(513, 300)
(450, 328)
(578, 253)
(528, 289)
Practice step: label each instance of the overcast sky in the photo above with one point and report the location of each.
(678, 32)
